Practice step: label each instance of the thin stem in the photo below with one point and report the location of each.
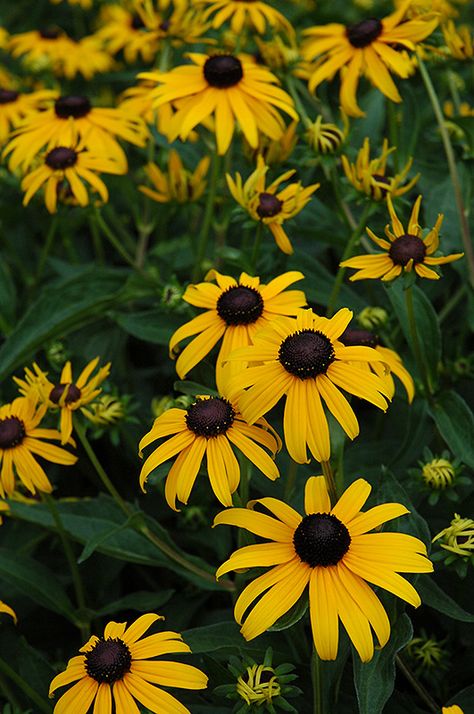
(256, 247)
(346, 212)
(208, 216)
(298, 104)
(47, 246)
(28, 691)
(9, 693)
(72, 562)
(454, 91)
(448, 150)
(97, 241)
(421, 364)
(112, 238)
(316, 680)
(451, 304)
(417, 686)
(393, 132)
(290, 479)
(330, 483)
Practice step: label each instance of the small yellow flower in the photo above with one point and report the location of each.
(274, 152)
(458, 537)
(276, 54)
(106, 410)
(15, 106)
(264, 204)
(372, 317)
(178, 184)
(323, 137)
(465, 109)
(438, 473)
(253, 690)
(459, 40)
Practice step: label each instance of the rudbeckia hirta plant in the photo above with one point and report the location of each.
(330, 551)
(120, 669)
(405, 250)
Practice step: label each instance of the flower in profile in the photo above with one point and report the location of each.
(209, 426)
(324, 137)
(331, 551)
(366, 48)
(120, 667)
(274, 152)
(235, 312)
(67, 395)
(178, 184)
(15, 106)
(304, 359)
(265, 205)
(369, 176)
(231, 90)
(277, 54)
(458, 537)
(459, 40)
(404, 250)
(8, 610)
(241, 13)
(21, 439)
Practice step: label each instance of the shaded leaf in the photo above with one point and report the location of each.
(433, 596)
(455, 422)
(140, 601)
(149, 325)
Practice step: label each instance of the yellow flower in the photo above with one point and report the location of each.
(276, 54)
(366, 48)
(121, 667)
(458, 537)
(275, 152)
(323, 137)
(15, 106)
(444, 8)
(86, 57)
(178, 184)
(85, 4)
(465, 109)
(43, 49)
(227, 88)
(404, 250)
(67, 395)
(331, 551)
(8, 610)
(105, 411)
(210, 426)
(304, 359)
(246, 12)
(21, 439)
(255, 691)
(459, 40)
(265, 205)
(369, 175)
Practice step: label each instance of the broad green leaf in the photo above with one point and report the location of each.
(29, 664)
(433, 596)
(375, 680)
(455, 423)
(291, 617)
(140, 601)
(150, 325)
(226, 636)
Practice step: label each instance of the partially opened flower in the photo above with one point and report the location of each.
(264, 204)
(257, 14)
(303, 359)
(120, 669)
(178, 183)
(323, 137)
(405, 250)
(459, 40)
(458, 537)
(85, 57)
(330, 551)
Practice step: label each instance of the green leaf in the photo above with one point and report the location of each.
(433, 596)
(319, 283)
(7, 298)
(226, 636)
(455, 423)
(375, 680)
(140, 601)
(291, 617)
(390, 490)
(149, 325)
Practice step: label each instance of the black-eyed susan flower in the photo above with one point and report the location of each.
(459, 40)
(324, 137)
(210, 426)
(304, 359)
(21, 439)
(269, 205)
(275, 152)
(116, 671)
(85, 57)
(178, 184)
(41, 49)
(67, 395)
(123, 30)
(365, 48)
(458, 537)
(331, 551)
(8, 610)
(353, 337)
(370, 176)
(404, 250)
(226, 88)
(242, 13)
(16, 105)
(235, 311)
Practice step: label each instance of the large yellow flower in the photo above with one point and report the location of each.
(246, 12)
(41, 49)
(227, 88)
(264, 204)
(304, 359)
(21, 439)
(210, 426)
(331, 551)
(15, 106)
(120, 667)
(235, 311)
(404, 250)
(366, 48)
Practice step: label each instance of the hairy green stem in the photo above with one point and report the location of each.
(417, 686)
(420, 361)
(208, 216)
(28, 691)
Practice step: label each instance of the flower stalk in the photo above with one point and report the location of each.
(208, 216)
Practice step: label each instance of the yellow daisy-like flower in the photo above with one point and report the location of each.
(459, 40)
(67, 395)
(265, 205)
(122, 29)
(246, 12)
(120, 667)
(366, 48)
(323, 137)
(86, 57)
(331, 551)
(42, 49)
(369, 176)
(210, 426)
(8, 610)
(105, 411)
(235, 312)
(405, 250)
(275, 152)
(15, 106)
(227, 88)
(178, 184)
(21, 439)
(304, 359)
(71, 117)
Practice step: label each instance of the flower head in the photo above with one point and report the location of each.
(178, 184)
(323, 137)
(15, 106)
(459, 40)
(121, 667)
(405, 250)
(255, 13)
(370, 318)
(331, 551)
(275, 152)
(458, 537)
(438, 473)
(105, 410)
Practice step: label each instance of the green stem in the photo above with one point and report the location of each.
(112, 238)
(421, 364)
(208, 216)
(330, 483)
(448, 150)
(316, 680)
(97, 241)
(454, 92)
(72, 562)
(47, 246)
(290, 480)
(29, 692)
(346, 213)
(298, 104)
(256, 247)
(393, 132)
(353, 240)
(451, 304)
(9, 693)
(417, 686)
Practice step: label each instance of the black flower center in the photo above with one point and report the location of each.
(50, 33)
(269, 205)
(73, 393)
(108, 661)
(306, 353)
(210, 417)
(240, 305)
(165, 25)
(363, 33)
(61, 158)
(7, 96)
(137, 22)
(12, 432)
(321, 539)
(407, 247)
(73, 106)
(223, 71)
(358, 338)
